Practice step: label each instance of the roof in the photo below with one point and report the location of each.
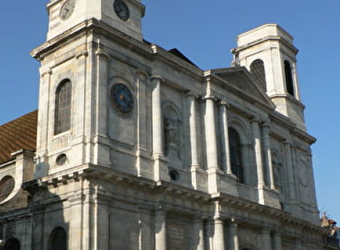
(18, 134)
(179, 54)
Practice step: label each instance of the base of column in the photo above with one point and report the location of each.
(198, 178)
(161, 171)
(219, 181)
(268, 197)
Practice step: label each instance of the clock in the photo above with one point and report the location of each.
(122, 98)
(121, 9)
(67, 9)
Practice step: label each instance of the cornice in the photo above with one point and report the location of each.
(87, 27)
(283, 216)
(268, 106)
(162, 54)
(284, 121)
(278, 39)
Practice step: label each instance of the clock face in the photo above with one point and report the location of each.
(122, 98)
(121, 9)
(67, 9)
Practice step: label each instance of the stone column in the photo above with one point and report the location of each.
(160, 230)
(157, 146)
(38, 219)
(157, 126)
(233, 238)
(198, 236)
(102, 223)
(289, 167)
(87, 216)
(85, 105)
(277, 241)
(258, 152)
(218, 234)
(266, 240)
(75, 227)
(142, 134)
(193, 131)
(210, 133)
(44, 129)
(102, 155)
(268, 156)
(44, 109)
(225, 136)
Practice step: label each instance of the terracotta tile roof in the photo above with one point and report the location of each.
(18, 134)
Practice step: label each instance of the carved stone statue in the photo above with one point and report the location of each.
(171, 141)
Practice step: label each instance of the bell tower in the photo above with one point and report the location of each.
(269, 54)
(124, 15)
(82, 71)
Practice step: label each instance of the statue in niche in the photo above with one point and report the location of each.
(170, 131)
(277, 173)
(171, 140)
(277, 177)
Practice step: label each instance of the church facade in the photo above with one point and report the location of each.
(134, 147)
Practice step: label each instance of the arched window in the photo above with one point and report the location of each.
(12, 244)
(6, 187)
(235, 154)
(58, 239)
(62, 119)
(258, 71)
(289, 78)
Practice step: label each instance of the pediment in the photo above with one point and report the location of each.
(240, 79)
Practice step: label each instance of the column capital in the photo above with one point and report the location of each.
(82, 53)
(224, 103)
(255, 120)
(191, 94)
(159, 208)
(232, 223)
(48, 71)
(157, 77)
(287, 142)
(265, 124)
(141, 73)
(265, 230)
(209, 97)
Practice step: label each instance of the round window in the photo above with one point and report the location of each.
(61, 159)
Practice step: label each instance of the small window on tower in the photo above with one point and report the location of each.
(289, 78)
(258, 71)
(62, 119)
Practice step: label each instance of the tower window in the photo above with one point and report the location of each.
(235, 154)
(258, 71)
(289, 78)
(62, 120)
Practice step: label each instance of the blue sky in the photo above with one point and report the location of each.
(205, 31)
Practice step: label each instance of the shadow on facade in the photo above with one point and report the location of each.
(40, 225)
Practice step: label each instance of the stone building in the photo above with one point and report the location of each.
(135, 147)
